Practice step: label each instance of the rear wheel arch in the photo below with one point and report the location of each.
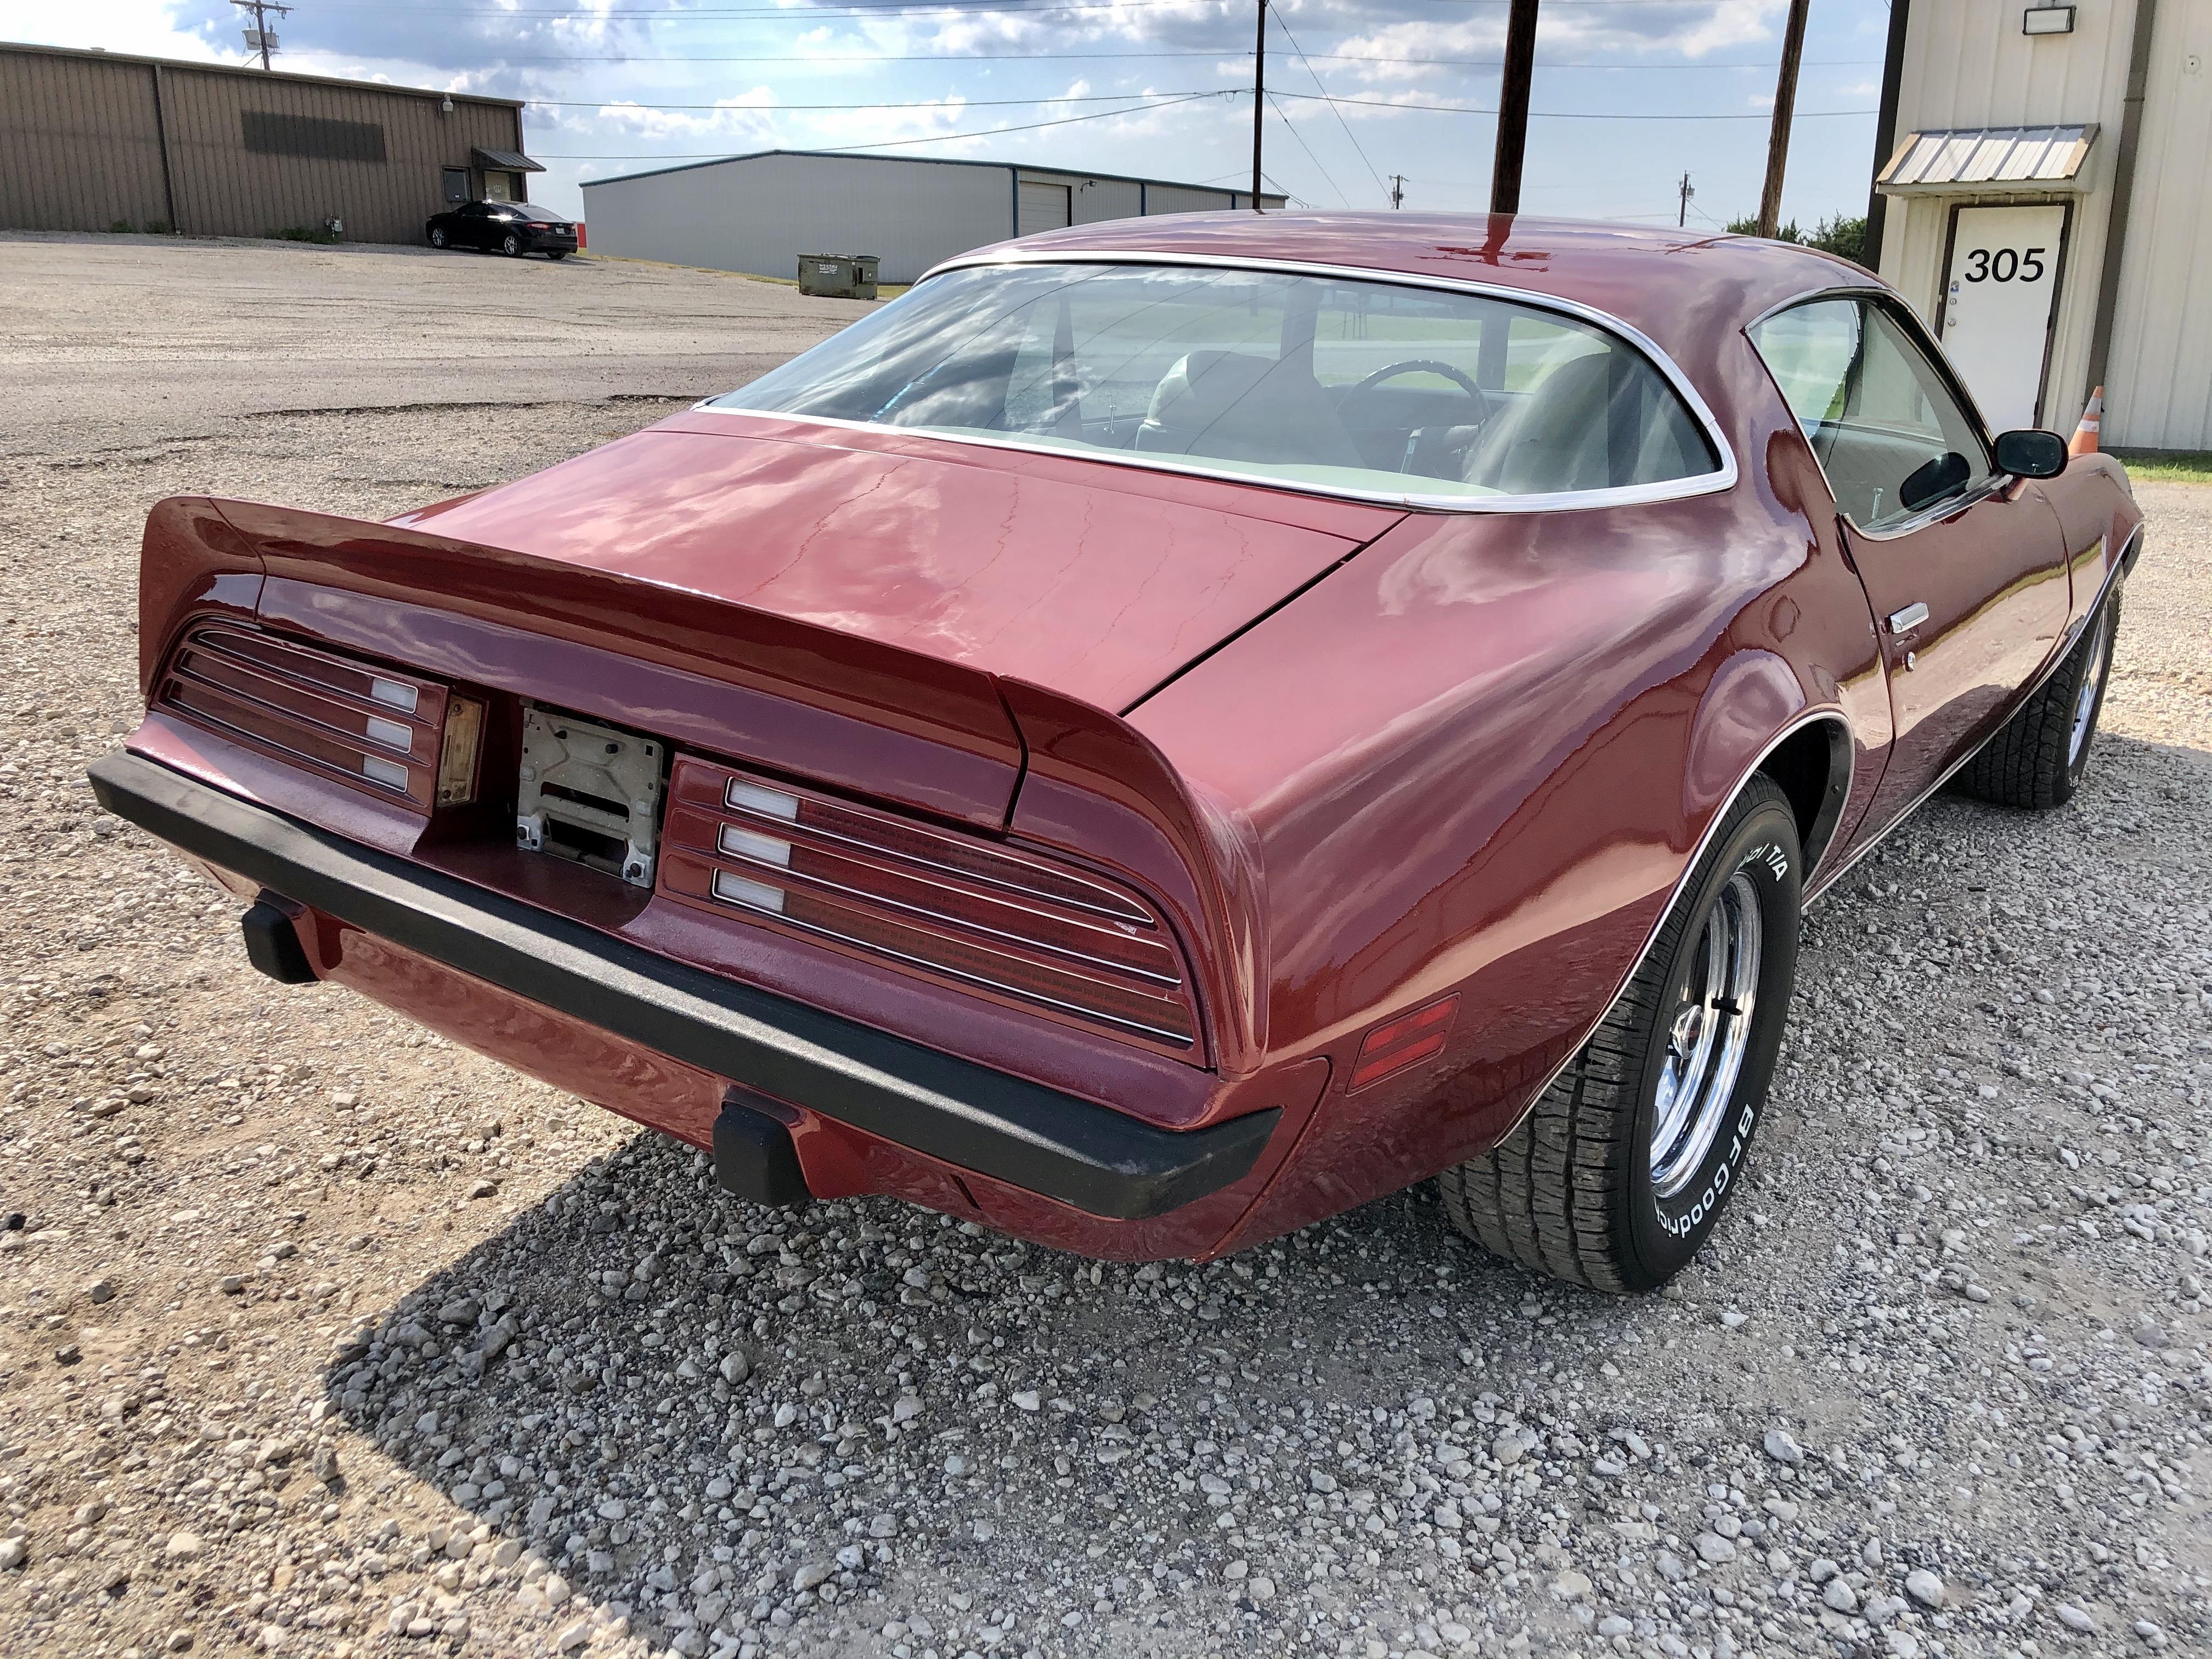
(1812, 765)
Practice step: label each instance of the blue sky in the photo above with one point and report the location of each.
(620, 85)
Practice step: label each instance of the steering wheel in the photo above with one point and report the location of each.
(1416, 452)
(1475, 394)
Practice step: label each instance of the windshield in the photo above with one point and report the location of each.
(1305, 379)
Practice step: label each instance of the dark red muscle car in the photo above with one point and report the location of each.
(1169, 731)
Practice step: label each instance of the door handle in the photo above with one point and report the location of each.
(1904, 621)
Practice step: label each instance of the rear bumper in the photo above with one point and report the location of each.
(1055, 1145)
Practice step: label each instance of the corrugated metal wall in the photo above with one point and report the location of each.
(80, 149)
(760, 213)
(1178, 198)
(1969, 65)
(2160, 367)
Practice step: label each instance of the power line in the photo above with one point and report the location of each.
(619, 104)
(831, 60)
(1574, 114)
(891, 144)
(1310, 156)
(1338, 114)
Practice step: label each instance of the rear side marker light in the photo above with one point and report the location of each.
(941, 904)
(1405, 1041)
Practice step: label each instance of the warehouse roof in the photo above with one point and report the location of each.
(938, 161)
(97, 55)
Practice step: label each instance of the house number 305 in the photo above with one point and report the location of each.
(2004, 265)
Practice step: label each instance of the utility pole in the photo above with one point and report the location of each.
(1682, 214)
(1258, 97)
(1785, 105)
(1513, 107)
(1397, 190)
(259, 37)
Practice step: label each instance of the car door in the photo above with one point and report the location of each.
(472, 225)
(1964, 567)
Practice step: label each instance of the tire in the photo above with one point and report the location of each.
(511, 247)
(438, 238)
(2037, 758)
(1572, 1191)
(558, 253)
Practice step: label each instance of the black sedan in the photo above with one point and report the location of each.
(513, 228)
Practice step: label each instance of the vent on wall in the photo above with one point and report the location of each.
(269, 133)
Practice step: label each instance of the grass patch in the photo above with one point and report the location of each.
(304, 234)
(2168, 465)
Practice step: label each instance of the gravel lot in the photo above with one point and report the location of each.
(319, 1336)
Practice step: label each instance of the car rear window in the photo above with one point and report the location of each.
(1358, 386)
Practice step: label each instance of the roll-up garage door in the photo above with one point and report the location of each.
(1041, 207)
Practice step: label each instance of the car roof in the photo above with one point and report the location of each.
(1665, 282)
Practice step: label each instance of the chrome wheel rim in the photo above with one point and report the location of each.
(1707, 1037)
(2085, 698)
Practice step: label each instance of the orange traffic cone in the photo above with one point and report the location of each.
(2084, 442)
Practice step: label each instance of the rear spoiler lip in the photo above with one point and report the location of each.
(1061, 1146)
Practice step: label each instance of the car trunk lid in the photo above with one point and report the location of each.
(1098, 581)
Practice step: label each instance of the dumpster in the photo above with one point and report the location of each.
(840, 276)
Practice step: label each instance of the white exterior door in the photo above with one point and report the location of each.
(1997, 299)
(1041, 207)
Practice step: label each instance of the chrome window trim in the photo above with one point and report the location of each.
(1803, 719)
(1704, 483)
(1995, 483)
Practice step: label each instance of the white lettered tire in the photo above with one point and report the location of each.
(1618, 1172)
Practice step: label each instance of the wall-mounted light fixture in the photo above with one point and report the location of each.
(2047, 20)
(446, 104)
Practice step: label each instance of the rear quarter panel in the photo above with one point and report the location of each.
(1479, 759)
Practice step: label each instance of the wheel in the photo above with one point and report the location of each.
(437, 239)
(511, 247)
(2038, 758)
(1618, 1172)
(557, 253)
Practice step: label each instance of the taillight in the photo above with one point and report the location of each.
(944, 904)
(377, 730)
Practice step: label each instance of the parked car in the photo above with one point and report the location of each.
(514, 229)
(1169, 731)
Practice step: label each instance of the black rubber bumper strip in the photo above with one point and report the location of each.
(1008, 1129)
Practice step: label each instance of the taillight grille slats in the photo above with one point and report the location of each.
(968, 911)
(376, 729)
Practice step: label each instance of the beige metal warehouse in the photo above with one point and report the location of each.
(759, 213)
(89, 140)
(2043, 185)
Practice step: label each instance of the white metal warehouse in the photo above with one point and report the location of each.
(759, 213)
(2047, 179)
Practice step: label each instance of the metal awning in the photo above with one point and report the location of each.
(505, 160)
(1989, 158)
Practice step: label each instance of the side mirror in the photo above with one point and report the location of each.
(2028, 453)
(1932, 481)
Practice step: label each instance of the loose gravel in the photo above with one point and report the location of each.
(320, 1336)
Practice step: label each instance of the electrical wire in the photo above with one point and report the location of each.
(1578, 115)
(923, 103)
(1304, 146)
(888, 143)
(1338, 114)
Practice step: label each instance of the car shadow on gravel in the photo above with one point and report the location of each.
(659, 1407)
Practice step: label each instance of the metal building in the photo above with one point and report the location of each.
(2043, 180)
(90, 140)
(759, 213)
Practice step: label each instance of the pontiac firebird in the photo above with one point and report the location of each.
(1169, 731)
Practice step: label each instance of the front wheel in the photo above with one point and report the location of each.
(2037, 758)
(437, 239)
(511, 247)
(1618, 1172)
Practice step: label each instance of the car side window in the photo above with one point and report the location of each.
(1891, 437)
